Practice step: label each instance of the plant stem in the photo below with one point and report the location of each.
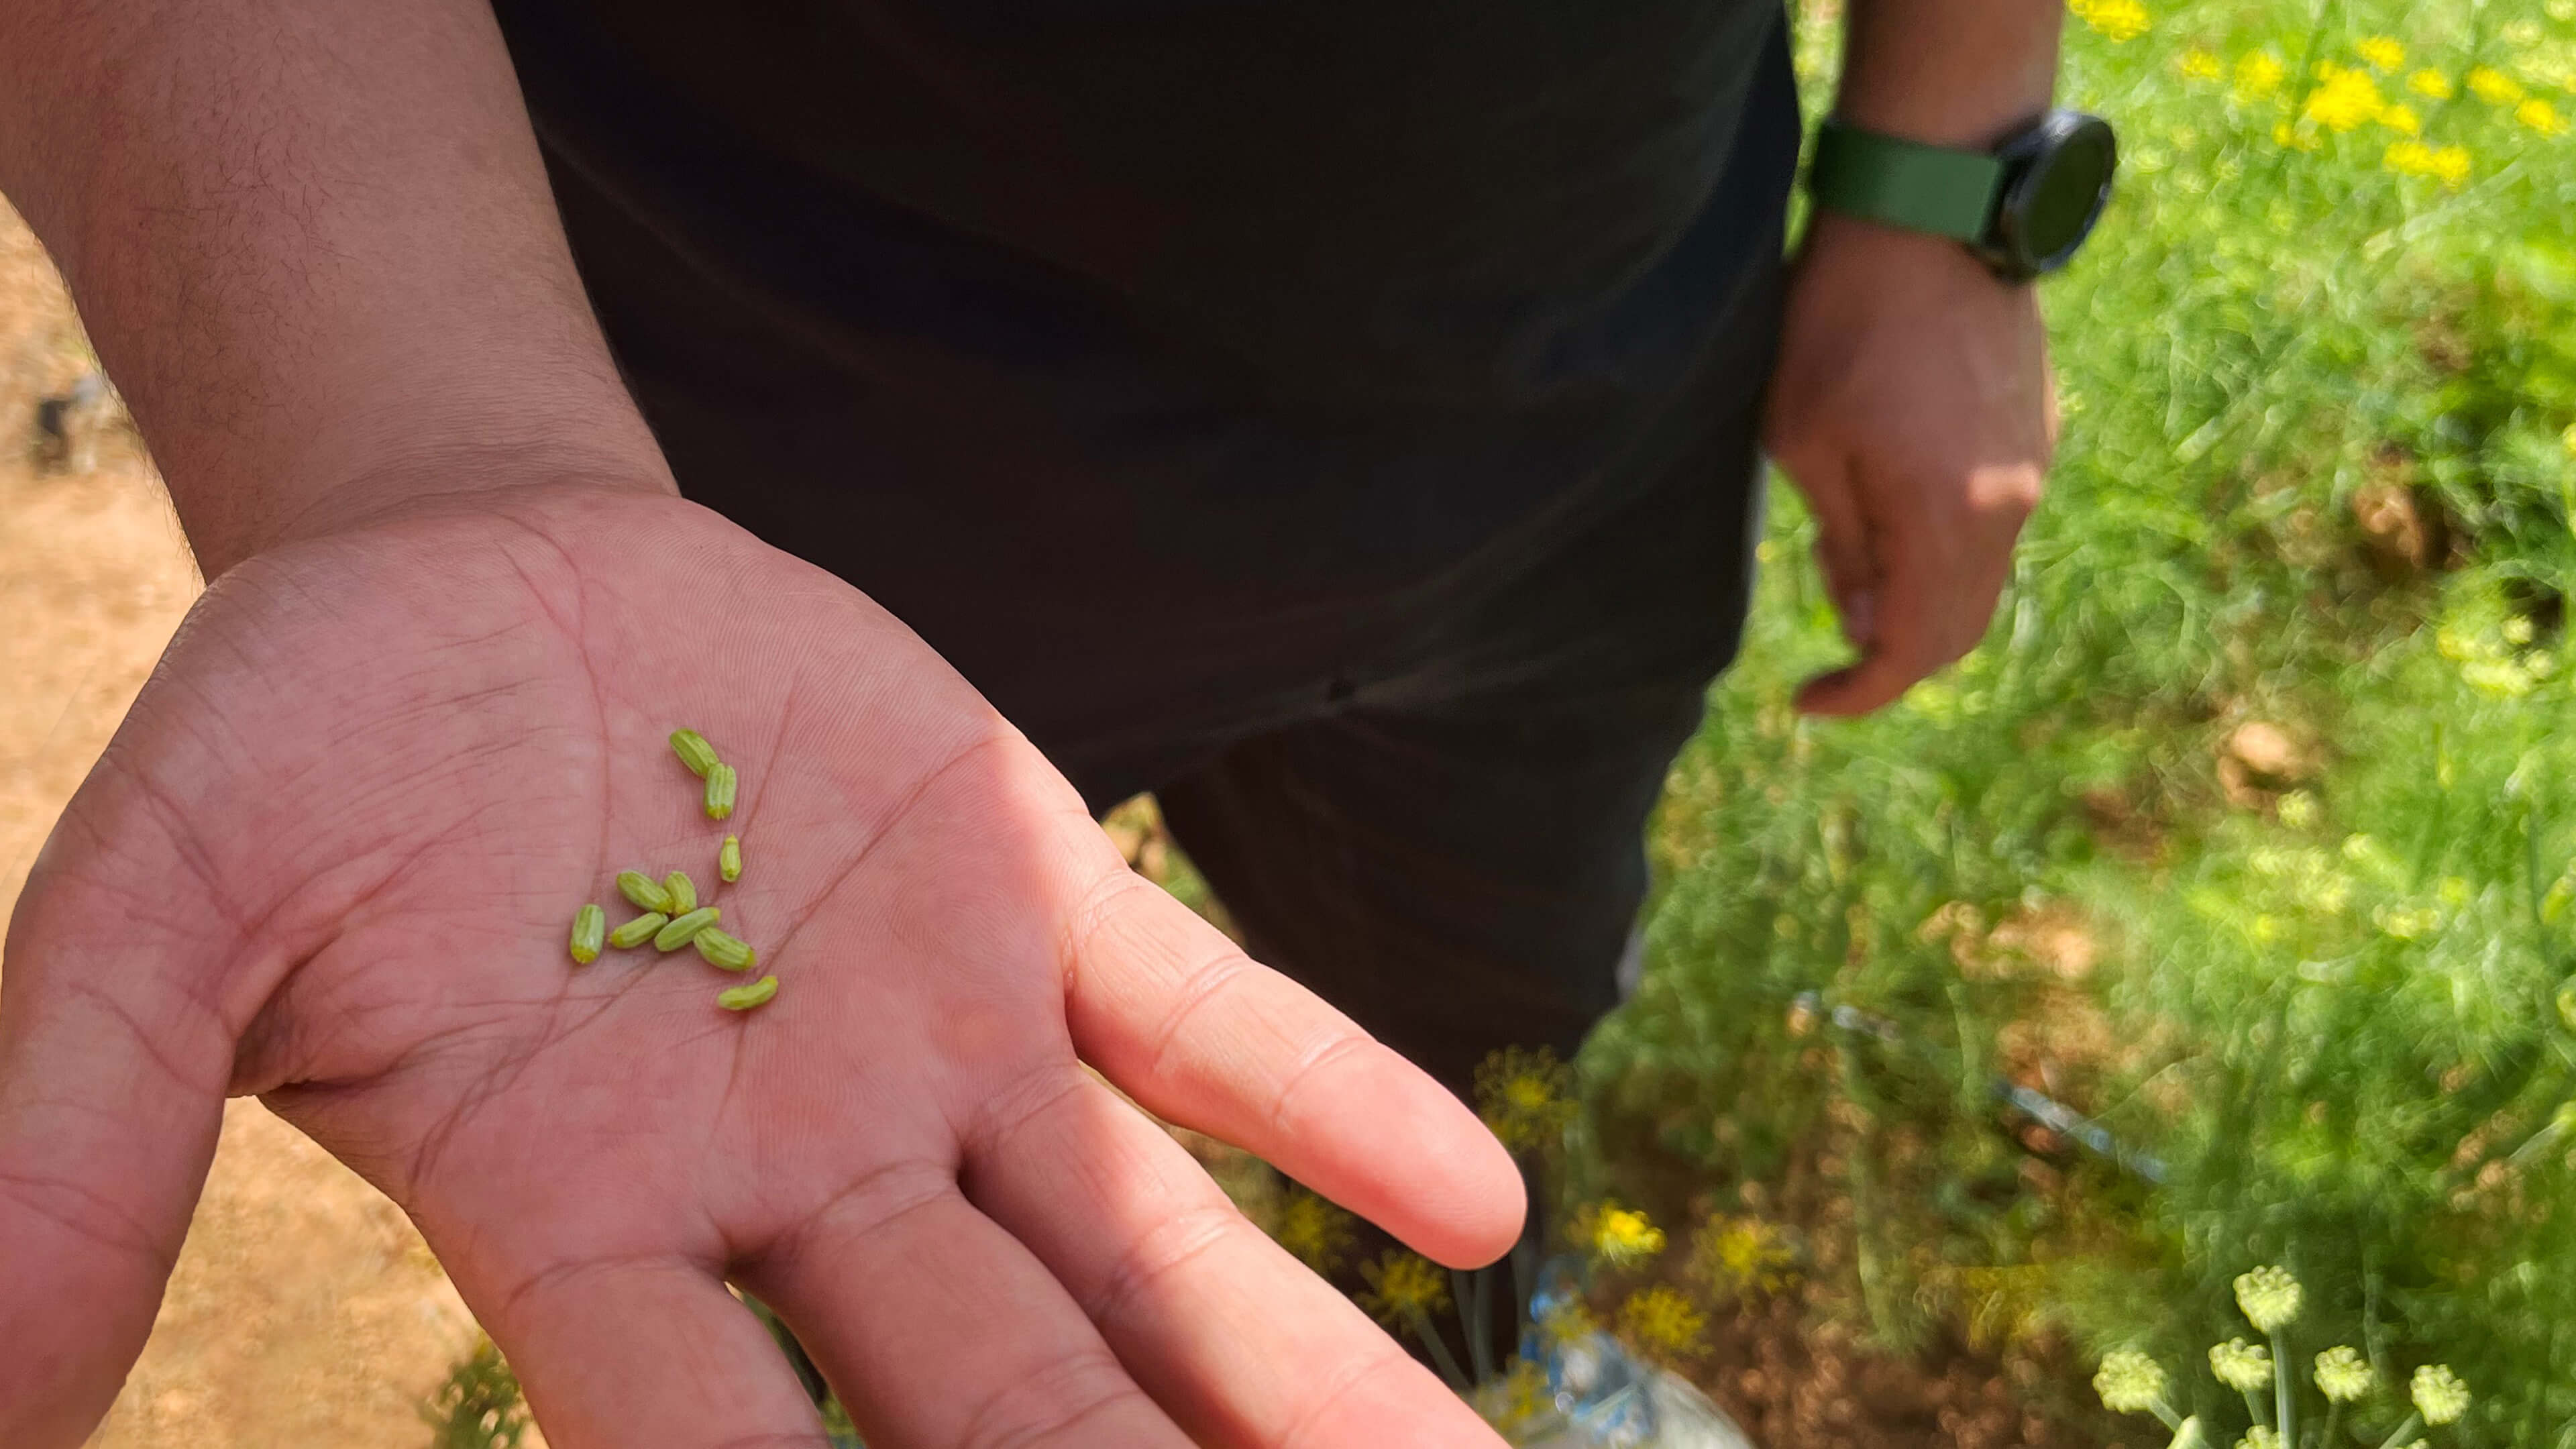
(2281, 1390)
(1440, 1355)
(2164, 1411)
(2402, 1431)
(1467, 1294)
(1524, 1271)
(2334, 1421)
(1484, 1338)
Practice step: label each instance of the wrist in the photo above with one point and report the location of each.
(1884, 250)
(420, 475)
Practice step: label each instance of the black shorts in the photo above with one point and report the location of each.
(1406, 685)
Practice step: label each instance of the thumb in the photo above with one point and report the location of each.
(1825, 480)
(112, 1084)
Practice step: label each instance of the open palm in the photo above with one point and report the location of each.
(331, 858)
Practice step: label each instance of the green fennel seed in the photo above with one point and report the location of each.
(589, 928)
(694, 751)
(644, 891)
(684, 929)
(729, 859)
(724, 950)
(720, 786)
(745, 997)
(682, 891)
(638, 931)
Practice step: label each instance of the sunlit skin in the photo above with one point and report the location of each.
(330, 857)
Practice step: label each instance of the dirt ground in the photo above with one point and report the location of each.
(305, 1313)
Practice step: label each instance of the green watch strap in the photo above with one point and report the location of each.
(1904, 183)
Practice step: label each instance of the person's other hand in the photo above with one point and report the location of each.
(1912, 406)
(332, 858)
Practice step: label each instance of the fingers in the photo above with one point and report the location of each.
(111, 1095)
(1228, 1332)
(1910, 642)
(940, 1331)
(1939, 563)
(623, 1351)
(1166, 1007)
(1843, 545)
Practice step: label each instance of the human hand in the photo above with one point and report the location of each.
(332, 856)
(1912, 407)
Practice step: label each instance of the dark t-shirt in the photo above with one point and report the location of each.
(1435, 204)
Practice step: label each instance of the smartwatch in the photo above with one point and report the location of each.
(2023, 208)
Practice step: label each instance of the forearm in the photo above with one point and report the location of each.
(314, 246)
(1948, 72)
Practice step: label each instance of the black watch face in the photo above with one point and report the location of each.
(2058, 191)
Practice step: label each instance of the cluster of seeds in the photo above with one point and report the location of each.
(672, 917)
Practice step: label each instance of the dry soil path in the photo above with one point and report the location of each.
(305, 1312)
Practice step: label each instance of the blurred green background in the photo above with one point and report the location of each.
(2245, 839)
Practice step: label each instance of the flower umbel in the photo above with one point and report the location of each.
(2431, 84)
(1314, 1231)
(1620, 1237)
(2260, 1436)
(2493, 86)
(2241, 1366)
(2258, 73)
(1526, 1098)
(1402, 1285)
(1570, 1322)
(2541, 116)
(2119, 20)
(2129, 1382)
(2438, 1393)
(2269, 1296)
(2382, 51)
(2344, 100)
(2342, 1376)
(1743, 1256)
(1662, 1323)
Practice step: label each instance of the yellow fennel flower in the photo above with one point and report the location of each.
(1526, 1098)
(2198, 64)
(1662, 1323)
(2120, 20)
(1314, 1231)
(1621, 1237)
(2258, 73)
(1743, 1257)
(2383, 52)
(1403, 1286)
(2451, 163)
(2401, 118)
(2540, 116)
(2493, 86)
(1570, 1322)
(2346, 99)
(2431, 84)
